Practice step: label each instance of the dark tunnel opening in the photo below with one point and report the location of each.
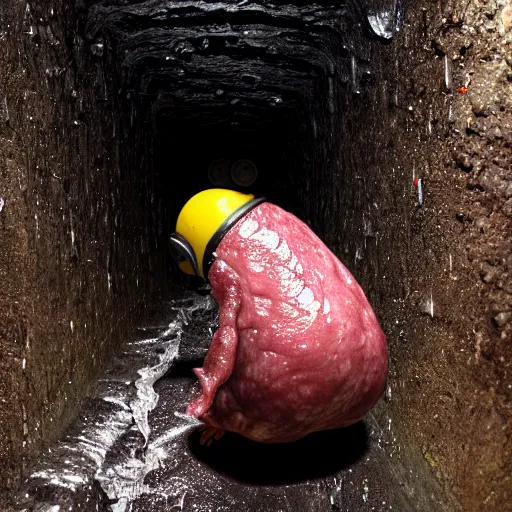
(204, 154)
(271, 97)
(293, 147)
(284, 85)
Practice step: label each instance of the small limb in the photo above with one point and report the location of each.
(221, 357)
(210, 434)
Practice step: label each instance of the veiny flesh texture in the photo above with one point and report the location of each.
(298, 348)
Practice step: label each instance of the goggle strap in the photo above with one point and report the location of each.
(209, 256)
(180, 248)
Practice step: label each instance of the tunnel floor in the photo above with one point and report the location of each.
(133, 449)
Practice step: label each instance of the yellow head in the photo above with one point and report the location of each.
(203, 222)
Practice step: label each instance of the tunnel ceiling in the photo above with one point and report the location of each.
(237, 56)
(241, 79)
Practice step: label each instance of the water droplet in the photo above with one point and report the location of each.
(97, 49)
(275, 100)
(427, 306)
(355, 79)
(184, 48)
(387, 21)
(448, 72)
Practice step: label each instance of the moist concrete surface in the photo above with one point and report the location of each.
(343, 127)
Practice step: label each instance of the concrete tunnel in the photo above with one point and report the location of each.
(385, 127)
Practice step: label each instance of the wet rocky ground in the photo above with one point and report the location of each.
(132, 449)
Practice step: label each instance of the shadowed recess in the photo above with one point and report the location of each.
(318, 455)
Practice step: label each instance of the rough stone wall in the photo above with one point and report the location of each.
(75, 250)
(444, 294)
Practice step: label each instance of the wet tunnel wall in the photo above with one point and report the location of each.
(111, 113)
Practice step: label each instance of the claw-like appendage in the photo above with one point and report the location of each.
(210, 434)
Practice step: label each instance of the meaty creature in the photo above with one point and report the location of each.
(298, 348)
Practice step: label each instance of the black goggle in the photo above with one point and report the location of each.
(182, 251)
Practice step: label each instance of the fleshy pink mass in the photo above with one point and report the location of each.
(298, 348)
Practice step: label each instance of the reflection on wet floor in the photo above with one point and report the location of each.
(133, 449)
